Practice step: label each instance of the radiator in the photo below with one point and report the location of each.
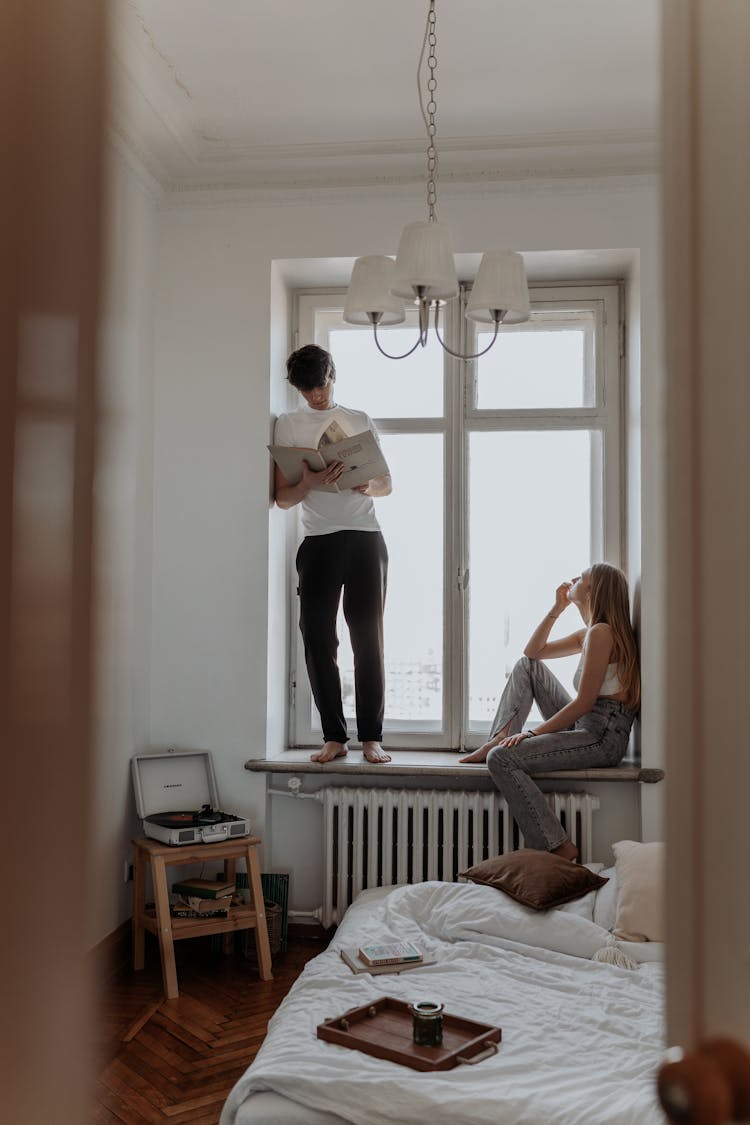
(380, 837)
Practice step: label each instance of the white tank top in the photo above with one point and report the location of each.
(611, 684)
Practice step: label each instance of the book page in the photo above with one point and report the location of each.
(336, 430)
(362, 458)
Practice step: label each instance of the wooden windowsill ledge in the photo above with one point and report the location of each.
(433, 764)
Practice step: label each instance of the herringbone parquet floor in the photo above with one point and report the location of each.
(176, 1060)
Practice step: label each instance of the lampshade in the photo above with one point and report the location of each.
(369, 292)
(424, 258)
(500, 284)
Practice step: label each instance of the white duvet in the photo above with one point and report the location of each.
(581, 1040)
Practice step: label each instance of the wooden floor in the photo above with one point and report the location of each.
(176, 1060)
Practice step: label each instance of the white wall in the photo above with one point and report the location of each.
(218, 369)
(123, 533)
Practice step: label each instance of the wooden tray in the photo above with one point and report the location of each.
(385, 1029)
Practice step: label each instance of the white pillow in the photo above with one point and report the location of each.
(605, 903)
(584, 907)
(640, 886)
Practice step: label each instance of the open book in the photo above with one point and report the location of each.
(360, 454)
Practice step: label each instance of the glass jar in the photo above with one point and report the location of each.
(428, 1023)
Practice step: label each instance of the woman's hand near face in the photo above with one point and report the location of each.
(561, 597)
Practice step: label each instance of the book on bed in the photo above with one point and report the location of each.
(390, 953)
(352, 958)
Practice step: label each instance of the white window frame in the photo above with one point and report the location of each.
(461, 417)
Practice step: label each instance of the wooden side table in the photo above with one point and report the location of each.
(159, 921)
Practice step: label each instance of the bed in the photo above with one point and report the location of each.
(581, 1039)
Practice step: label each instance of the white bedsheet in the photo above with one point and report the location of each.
(581, 1044)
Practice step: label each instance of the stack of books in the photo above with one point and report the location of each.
(202, 898)
(389, 957)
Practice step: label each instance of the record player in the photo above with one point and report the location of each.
(178, 800)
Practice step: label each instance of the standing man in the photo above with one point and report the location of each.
(343, 549)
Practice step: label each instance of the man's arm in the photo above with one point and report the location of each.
(287, 495)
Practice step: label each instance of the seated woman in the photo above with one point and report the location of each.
(591, 730)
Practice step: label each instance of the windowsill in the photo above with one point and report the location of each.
(431, 763)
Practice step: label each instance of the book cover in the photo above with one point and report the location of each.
(352, 958)
(360, 454)
(390, 953)
(203, 888)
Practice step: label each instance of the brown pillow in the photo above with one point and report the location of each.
(536, 879)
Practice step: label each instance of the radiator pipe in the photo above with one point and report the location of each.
(317, 913)
(294, 789)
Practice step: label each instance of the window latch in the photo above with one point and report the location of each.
(462, 578)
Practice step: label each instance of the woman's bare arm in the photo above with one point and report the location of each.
(593, 671)
(538, 647)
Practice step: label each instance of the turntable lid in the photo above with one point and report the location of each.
(173, 780)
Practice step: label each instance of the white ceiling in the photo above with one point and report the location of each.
(282, 93)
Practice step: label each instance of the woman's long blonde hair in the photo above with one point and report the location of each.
(609, 601)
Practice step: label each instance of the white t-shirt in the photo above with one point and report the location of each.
(325, 512)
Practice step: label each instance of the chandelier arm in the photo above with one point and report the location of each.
(459, 355)
(387, 354)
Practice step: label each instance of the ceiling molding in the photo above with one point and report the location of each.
(235, 153)
(151, 179)
(310, 167)
(159, 120)
(216, 195)
(147, 101)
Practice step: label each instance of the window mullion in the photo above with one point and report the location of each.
(455, 552)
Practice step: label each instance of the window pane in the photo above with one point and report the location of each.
(366, 380)
(546, 363)
(411, 519)
(529, 529)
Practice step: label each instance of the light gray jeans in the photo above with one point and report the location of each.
(599, 738)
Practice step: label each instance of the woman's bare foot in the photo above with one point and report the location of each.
(375, 753)
(330, 751)
(567, 850)
(480, 755)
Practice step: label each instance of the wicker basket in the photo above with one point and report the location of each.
(273, 921)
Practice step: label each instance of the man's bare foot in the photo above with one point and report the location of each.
(479, 755)
(567, 850)
(375, 753)
(330, 751)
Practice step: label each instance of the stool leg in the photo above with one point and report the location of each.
(230, 868)
(164, 921)
(261, 926)
(139, 905)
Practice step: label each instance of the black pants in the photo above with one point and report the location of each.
(357, 563)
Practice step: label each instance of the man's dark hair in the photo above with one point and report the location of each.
(310, 367)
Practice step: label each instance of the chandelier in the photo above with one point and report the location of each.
(424, 272)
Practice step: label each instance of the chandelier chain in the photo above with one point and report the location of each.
(428, 106)
(424, 270)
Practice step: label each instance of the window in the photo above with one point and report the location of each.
(506, 478)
